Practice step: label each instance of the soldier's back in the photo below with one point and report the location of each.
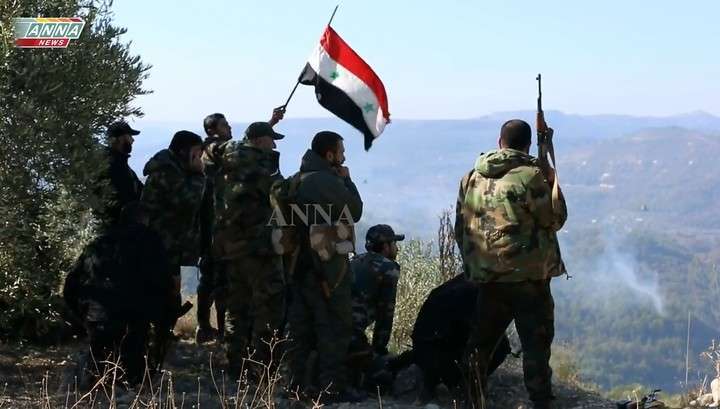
(506, 212)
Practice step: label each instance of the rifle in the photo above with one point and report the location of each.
(544, 134)
(545, 149)
(647, 402)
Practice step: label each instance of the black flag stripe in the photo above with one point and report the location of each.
(338, 102)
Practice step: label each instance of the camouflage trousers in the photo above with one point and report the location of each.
(255, 305)
(531, 305)
(323, 325)
(212, 288)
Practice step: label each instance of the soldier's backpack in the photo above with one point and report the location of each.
(283, 193)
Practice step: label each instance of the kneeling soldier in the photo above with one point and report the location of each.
(374, 289)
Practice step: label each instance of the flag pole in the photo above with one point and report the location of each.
(284, 106)
(333, 15)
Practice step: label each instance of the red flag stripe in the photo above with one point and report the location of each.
(341, 52)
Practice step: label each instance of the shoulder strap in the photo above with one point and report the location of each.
(555, 198)
(466, 180)
(294, 184)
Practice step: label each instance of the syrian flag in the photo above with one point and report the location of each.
(346, 86)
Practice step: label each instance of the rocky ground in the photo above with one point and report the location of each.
(33, 377)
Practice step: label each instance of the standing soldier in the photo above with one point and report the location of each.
(506, 229)
(374, 287)
(211, 286)
(172, 198)
(213, 278)
(125, 187)
(243, 243)
(321, 313)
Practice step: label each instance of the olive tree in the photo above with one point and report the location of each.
(54, 105)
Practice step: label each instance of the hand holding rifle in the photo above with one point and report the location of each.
(546, 157)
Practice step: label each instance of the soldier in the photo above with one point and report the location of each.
(211, 285)
(506, 229)
(374, 287)
(125, 187)
(172, 198)
(213, 281)
(120, 283)
(255, 297)
(440, 334)
(320, 316)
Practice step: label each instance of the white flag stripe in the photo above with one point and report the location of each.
(354, 88)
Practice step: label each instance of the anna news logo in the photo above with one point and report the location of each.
(43, 32)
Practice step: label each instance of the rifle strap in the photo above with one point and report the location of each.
(555, 198)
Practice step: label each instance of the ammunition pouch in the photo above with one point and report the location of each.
(284, 240)
(328, 240)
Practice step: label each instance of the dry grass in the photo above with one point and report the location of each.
(161, 391)
(187, 324)
(424, 267)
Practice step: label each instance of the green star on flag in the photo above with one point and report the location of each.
(334, 75)
(368, 107)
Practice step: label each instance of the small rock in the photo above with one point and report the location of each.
(408, 383)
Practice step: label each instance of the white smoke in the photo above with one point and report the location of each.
(620, 267)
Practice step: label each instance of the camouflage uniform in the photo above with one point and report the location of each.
(172, 198)
(320, 316)
(506, 230)
(212, 282)
(255, 298)
(374, 289)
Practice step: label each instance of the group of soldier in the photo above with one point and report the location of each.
(274, 256)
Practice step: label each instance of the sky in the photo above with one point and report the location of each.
(438, 60)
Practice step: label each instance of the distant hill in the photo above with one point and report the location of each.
(667, 178)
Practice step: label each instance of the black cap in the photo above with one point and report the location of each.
(120, 128)
(382, 233)
(258, 129)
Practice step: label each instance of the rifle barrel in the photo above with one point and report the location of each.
(539, 100)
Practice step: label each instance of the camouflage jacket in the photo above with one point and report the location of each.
(248, 174)
(172, 198)
(505, 226)
(214, 198)
(374, 289)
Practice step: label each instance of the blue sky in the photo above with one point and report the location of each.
(450, 59)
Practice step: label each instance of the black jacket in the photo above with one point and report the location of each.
(126, 271)
(125, 187)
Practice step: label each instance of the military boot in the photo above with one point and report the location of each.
(204, 332)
